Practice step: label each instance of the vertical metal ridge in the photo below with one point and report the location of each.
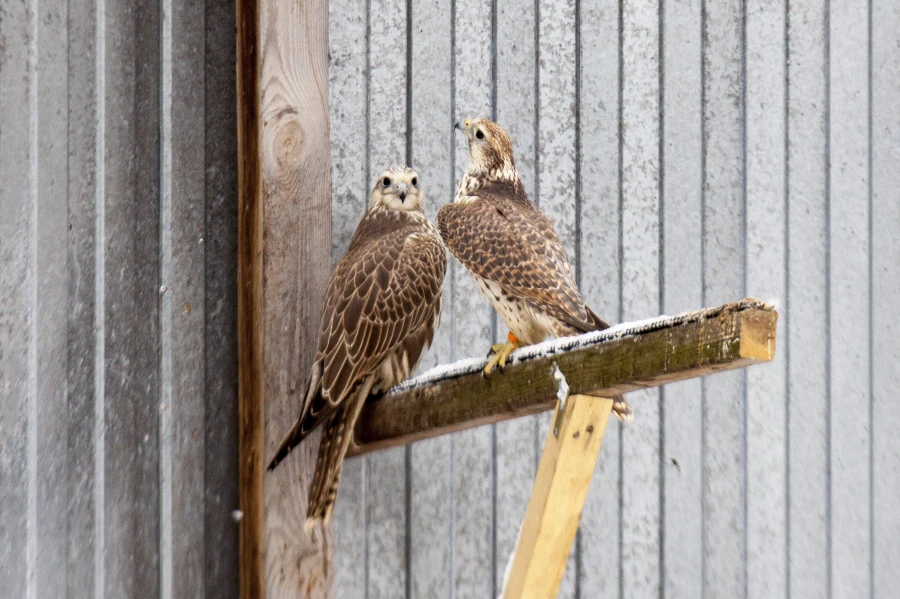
(367, 516)
(744, 379)
(661, 282)
(32, 413)
(704, 542)
(537, 102)
(829, 524)
(451, 574)
(579, 189)
(620, 489)
(99, 431)
(165, 305)
(407, 451)
(787, 298)
(494, 319)
(871, 310)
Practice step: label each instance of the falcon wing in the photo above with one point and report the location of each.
(499, 235)
(385, 288)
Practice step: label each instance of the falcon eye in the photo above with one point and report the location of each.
(386, 181)
(415, 181)
(479, 134)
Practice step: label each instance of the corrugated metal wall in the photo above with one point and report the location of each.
(691, 152)
(118, 352)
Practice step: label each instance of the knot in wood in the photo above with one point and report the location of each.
(284, 142)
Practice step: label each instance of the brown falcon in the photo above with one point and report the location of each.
(512, 251)
(382, 306)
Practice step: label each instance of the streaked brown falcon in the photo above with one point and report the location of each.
(512, 251)
(382, 306)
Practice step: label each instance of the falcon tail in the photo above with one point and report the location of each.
(621, 408)
(336, 438)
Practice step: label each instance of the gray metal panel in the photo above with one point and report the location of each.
(48, 437)
(80, 371)
(640, 135)
(723, 280)
(432, 141)
(128, 231)
(473, 519)
(682, 280)
(515, 84)
(182, 311)
(765, 277)
(220, 534)
(350, 184)
(806, 305)
(849, 287)
(885, 256)
(81, 545)
(17, 313)
(386, 471)
(599, 273)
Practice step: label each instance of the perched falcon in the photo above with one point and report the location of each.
(512, 251)
(382, 307)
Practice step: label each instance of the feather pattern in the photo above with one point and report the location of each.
(382, 305)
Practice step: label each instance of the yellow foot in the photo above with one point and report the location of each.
(500, 352)
(622, 410)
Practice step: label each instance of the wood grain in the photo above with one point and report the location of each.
(560, 488)
(285, 258)
(691, 345)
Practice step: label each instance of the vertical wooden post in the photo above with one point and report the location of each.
(284, 262)
(560, 488)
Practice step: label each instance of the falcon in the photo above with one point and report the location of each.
(382, 306)
(510, 248)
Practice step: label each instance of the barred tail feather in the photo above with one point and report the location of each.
(336, 440)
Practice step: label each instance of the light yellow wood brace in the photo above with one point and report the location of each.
(557, 498)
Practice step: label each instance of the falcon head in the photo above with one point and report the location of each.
(398, 189)
(490, 149)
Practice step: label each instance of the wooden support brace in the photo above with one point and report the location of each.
(560, 489)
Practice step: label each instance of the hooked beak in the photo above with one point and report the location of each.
(462, 125)
(401, 190)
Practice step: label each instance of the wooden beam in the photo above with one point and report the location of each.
(560, 488)
(607, 363)
(284, 261)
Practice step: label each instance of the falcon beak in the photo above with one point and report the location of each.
(462, 125)
(401, 189)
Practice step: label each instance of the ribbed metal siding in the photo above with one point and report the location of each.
(691, 153)
(118, 432)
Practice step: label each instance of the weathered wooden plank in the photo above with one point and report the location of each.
(848, 290)
(558, 194)
(723, 277)
(182, 309)
(285, 199)
(220, 311)
(129, 220)
(641, 524)
(885, 256)
(765, 242)
(599, 267)
(348, 109)
(560, 488)
(432, 142)
(16, 279)
(633, 356)
(473, 573)
(83, 177)
(515, 101)
(386, 474)
(806, 301)
(682, 279)
(48, 451)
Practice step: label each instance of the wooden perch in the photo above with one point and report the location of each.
(623, 358)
